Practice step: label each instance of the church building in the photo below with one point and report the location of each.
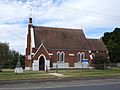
(50, 48)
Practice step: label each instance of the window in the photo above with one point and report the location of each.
(58, 56)
(62, 56)
(80, 56)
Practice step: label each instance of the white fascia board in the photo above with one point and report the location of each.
(40, 47)
(32, 38)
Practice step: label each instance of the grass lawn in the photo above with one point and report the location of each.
(88, 72)
(8, 74)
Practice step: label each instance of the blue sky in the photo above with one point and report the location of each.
(93, 16)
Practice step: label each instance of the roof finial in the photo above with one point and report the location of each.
(30, 14)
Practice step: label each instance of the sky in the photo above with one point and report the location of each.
(95, 17)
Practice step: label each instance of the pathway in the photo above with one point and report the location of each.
(57, 74)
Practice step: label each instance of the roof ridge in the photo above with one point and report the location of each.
(57, 28)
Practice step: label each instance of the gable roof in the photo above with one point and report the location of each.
(41, 50)
(65, 39)
(60, 38)
(97, 44)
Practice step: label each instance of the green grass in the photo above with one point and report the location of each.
(10, 75)
(88, 72)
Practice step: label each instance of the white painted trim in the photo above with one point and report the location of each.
(50, 54)
(90, 51)
(83, 55)
(29, 57)
(32, 53)
(91, 57)
(63, 57)
(58, 52)
(44, 59)
(35, 65)
(32, 38)
(78, 53)
(79, 59)
(39, 49)
(59, 57)
(71, 54)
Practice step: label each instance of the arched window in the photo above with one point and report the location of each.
(62, 57)
(82, 55)
(78, 57)
(58, 56)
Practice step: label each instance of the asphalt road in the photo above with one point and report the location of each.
(115, 86)
(99, 84)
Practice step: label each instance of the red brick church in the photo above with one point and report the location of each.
(49, 48)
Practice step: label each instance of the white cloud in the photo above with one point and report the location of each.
(15, 35)
(59, 13)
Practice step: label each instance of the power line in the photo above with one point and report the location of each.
(83, 12)
(71, 10)
(12, 33)
(88, 13)
(94, 12)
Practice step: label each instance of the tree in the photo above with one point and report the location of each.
(112, 41)
(9, 58)
(4, 53)
(100, 61)
(13, 59)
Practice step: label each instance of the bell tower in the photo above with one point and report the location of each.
(28, 62)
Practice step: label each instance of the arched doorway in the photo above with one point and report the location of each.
(42, 63)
